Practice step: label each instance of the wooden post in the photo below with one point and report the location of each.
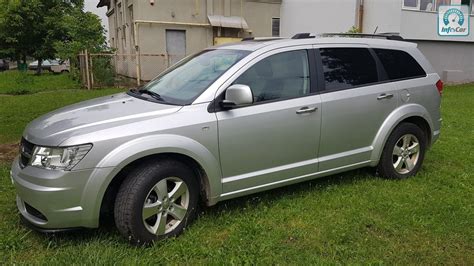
(82, 65)
(88, 81)
(92, 73)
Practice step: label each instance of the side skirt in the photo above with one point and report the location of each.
(292, 180)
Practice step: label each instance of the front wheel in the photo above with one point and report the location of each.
(156, 201)
(403, 153)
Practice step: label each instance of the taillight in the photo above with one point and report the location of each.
(439, 86)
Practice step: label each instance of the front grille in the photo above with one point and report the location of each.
(26, 150)
(34, 212)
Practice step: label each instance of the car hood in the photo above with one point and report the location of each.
(93, 115)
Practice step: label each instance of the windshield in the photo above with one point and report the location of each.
(184, 82)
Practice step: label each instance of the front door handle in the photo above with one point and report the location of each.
(384, 96)
(306, 109)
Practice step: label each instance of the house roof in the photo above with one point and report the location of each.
(228, 22)
(103, 3)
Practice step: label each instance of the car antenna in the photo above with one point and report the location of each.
(376, 28)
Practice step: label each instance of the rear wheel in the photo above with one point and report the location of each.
(403, 153)
(156, 201)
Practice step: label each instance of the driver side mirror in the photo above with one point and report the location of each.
(237, 95)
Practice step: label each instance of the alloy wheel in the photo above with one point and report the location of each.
(406, 153)
(165, 206)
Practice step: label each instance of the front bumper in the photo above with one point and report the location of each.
(31, 226)
(51, 199)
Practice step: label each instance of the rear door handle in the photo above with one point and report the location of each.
(306, 109)
(384, 96)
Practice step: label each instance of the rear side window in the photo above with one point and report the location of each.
(399, 64)
(345, 68)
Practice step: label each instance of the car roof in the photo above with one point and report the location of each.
(259, 43)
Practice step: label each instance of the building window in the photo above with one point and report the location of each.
(445, 2)
(426, 5)
(453, 2)
(433, 5)
(120, 15)
(411, 4)
(275, 27)
(469, 3)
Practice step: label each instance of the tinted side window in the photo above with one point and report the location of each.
(399, 64)
(284, 75)
(348, 67)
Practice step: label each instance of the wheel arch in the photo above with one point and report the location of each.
(112, 169)
(110, 194)
(412, 113)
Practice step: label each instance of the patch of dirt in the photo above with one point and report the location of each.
(8, 152)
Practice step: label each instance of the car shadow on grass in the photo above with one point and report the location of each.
(108, 234)
(270, 196)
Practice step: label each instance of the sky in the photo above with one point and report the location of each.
(91, 5)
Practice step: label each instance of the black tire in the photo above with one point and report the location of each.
(386, 166)
(135, 191)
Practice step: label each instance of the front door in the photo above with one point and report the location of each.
(277, 137)
(175, 45)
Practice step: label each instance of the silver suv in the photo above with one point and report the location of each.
(226, 122)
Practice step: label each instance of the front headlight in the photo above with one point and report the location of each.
(58, 158)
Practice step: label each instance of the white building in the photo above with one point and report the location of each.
(414, 20)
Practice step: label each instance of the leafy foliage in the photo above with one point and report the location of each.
(83, 31)
(354, 29)
(104, 72)
(47, 29)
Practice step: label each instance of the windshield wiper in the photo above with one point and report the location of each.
(154, 95)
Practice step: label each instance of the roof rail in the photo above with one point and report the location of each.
(260, 39)
(388, 35)
(304, 35)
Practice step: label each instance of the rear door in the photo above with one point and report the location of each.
(354, 104)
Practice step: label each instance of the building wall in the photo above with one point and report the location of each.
(258, 15)
(121, 35)
(317, 16)
(422, 25)
(152, 37)
(383, 15)
(453, 58)
(454, 61)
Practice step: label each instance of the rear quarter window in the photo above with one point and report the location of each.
(399, 64)
(345, 68)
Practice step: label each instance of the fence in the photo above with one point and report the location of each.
(120, 70)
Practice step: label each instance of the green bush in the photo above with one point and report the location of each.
(103, 70)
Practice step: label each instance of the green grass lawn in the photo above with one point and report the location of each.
(347, 218)
(17, 111)
(15, 82)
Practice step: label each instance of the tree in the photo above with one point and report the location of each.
(45, 28)
(83, 31)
